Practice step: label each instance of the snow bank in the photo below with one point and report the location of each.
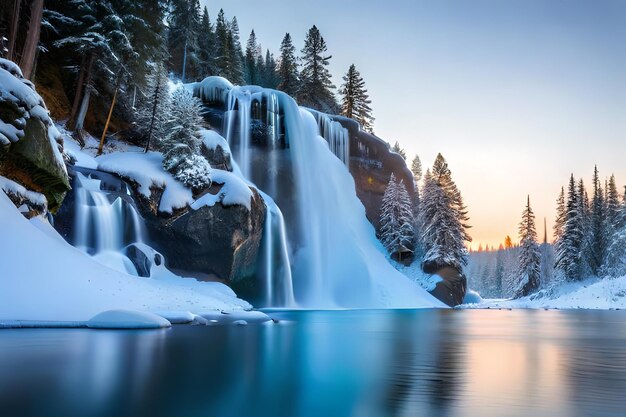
(81, 159)
(415, 273)
(593, 293)
(44, 279)
(127, 319)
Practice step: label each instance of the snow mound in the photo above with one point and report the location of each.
(212, 89)
(44, 279)
(212, 140)
(234, 191)
(127, 319)
(593, 293)
(472, 297)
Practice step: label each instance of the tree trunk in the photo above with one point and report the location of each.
(84, 104)
(78, 93)
(154, 108)
(14, 24)
(27, 60)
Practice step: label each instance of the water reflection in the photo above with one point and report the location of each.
(342, 363)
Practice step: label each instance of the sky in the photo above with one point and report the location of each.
(515, 94)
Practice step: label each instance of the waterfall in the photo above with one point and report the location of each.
(104, 224)
(336, 259)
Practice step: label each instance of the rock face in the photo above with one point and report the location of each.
(371, 165)
(30, 146)
(452, 289)
(219, 242)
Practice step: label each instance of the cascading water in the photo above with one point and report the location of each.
(104, 223)
(336, 135)
(336, 260)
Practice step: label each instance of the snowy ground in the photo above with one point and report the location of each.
(414, 271)
(593, 293)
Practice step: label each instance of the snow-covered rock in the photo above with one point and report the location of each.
(30, 145)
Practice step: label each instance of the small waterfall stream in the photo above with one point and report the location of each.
(105, 223)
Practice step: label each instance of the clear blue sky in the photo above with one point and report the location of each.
(516, 94)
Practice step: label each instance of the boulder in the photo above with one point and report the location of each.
(451, 290)
(217, 241)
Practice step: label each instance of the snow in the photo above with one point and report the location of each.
(45, 280)
(212, 89)
(592, 293)
(234, 191)
(212, 140)
(415, 273)
(81, 159)
(11, 187)
(127, 319)
(146, 169)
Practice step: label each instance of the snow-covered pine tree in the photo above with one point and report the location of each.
(416, 169)
(181, 146)
(151, 117)
(397, 149)
(355, 102)
(586, 245)
(253, 50)
(443, 234)
(316, 87)
(596, 242)
(559, 222)
(529, 259)
(442, 174)
(615, 264)
(396, 218)
(288, 67)
(567, 258)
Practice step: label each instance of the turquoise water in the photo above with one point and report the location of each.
(327, 363)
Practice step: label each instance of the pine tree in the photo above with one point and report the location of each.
(236, 75)
(181, 146)
(441, 172)
(397, 149)
(416, 168)
(561, 213)
(396, 218)
(152, 112)
(616, 253)
(269, 76)
(252, 52)
(206, 46)
(223, 45)
(184, 25)
(529, 257)
(596, 244)
(569, 245)
(316, 89)
(586, 244)
(288, 67)
(442, 222)
(355, 102)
